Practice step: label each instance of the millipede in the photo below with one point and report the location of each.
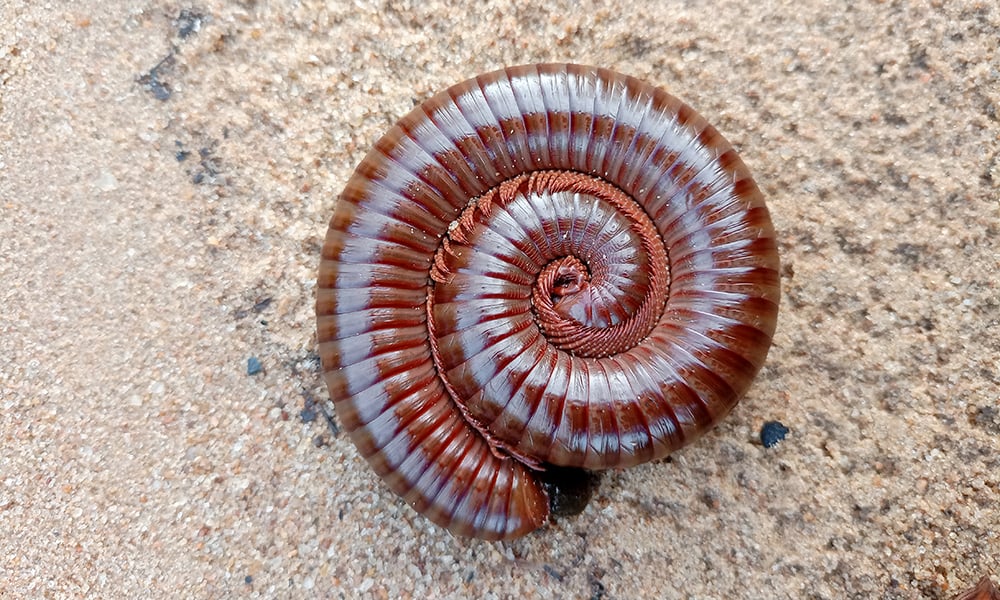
(548, 267)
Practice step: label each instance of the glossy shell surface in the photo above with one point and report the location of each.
(544, 265)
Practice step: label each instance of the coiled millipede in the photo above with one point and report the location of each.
(545, 266)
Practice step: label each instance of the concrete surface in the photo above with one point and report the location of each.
(166, 173)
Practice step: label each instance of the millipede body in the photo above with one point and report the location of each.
(545, 267)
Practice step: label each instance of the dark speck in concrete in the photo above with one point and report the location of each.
(254, 366)
(153, 80)
(771, 433)
(188, 22)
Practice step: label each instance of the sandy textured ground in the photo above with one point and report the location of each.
(166, 171)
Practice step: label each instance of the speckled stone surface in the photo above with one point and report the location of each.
(166, 171)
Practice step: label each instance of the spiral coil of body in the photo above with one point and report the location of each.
(544, 265)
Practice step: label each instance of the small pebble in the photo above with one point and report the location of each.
(248, 580)
(254, 366)
(308, 414)
(771, 433)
